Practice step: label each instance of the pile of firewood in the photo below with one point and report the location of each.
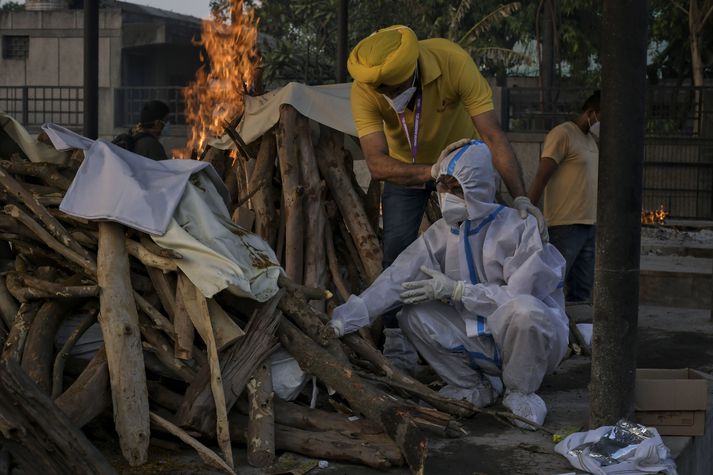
(154, 373)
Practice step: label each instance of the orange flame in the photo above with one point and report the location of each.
(229, 39)
(655, 216)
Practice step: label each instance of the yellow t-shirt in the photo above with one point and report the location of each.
(453, 90)
(571, 193)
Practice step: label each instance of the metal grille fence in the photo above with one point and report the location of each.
(670, 111)
(678, 174)
(678, 164)
(35, 105)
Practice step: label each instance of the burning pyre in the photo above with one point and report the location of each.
(654, 216)
(230, 59)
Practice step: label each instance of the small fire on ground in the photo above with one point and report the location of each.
(229, 60)
(654, 216)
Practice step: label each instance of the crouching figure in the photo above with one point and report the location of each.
(481, 294)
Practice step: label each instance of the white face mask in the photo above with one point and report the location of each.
(400, 102)
(452, 208)
(166, 128)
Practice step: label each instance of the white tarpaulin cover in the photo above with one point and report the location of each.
(35, 151)
(123, 186)
(217, 254)
(328, 105)
(182, 204)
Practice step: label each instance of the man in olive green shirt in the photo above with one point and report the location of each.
(568, 172)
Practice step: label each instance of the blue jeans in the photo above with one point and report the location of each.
(403, 209)
(576, 244)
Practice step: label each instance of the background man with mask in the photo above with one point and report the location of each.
(410, 100)
(568, 172)
(143, 138)
(481, 293)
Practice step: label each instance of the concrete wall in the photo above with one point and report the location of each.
(55, 56)
(56, 46)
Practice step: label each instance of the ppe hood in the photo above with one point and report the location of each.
(472, 166)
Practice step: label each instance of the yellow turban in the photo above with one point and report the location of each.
(386, 57)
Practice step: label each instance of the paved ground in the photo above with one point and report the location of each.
(668, 338)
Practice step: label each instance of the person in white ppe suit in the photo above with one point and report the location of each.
(482, 295)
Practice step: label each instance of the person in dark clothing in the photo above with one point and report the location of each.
(145, 135)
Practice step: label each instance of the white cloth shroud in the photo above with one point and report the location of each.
(35, 151)
(650, 456)
(328, 104)
(218, 254)
(191, 218)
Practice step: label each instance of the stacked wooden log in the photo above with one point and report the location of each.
(174, 362)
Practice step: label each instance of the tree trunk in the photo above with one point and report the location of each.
(373, 203)
(331, 164)
(38, 435)
(38, 356)
(207, 455)
(616, 275)
(264, 200)
(55, 227)
(183, 327)
(380, 454)
(15, 342)
(8, 305)
(261, 423)
(315, 270)
(89, 395)
(239, 362)
(119, 322)
(695, 29)
(58, 370)
(200, 317)
(165, 289)
(362, 397)
(292, 193)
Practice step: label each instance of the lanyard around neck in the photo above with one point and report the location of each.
(413, 143)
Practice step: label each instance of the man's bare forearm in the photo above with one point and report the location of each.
(386, 168)
(503, 155)
(507, 165)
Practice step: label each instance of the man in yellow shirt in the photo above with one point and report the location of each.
(568, 172)
(410, 100)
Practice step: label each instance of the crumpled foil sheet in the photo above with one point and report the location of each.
(616, 445)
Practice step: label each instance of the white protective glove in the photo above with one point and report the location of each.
(436, 168)
(438, 287)
(333, 329)
(525, 207)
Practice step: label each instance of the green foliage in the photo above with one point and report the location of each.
(12, 7)
(670, 48)
(501, 37)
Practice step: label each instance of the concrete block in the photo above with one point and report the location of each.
(71, 61)
(60, 19)
(675, 281)
(26, 20)
(13, 72)
(43, 62)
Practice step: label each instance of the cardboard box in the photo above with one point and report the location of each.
(672, 400)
